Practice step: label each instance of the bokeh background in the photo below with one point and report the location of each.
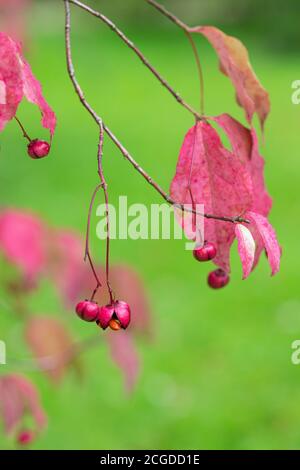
(217, 373)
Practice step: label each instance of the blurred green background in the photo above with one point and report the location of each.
(218, 374)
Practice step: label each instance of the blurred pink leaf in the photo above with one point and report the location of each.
(66, 266)
(22, 238)
(51, 344)
(13, 18)
(19, 81)
(18, 398)
(128, 285)
(124, 355)
(235, 63)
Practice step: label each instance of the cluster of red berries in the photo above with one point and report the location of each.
(38, 149)
(218, 278)
(115, 315)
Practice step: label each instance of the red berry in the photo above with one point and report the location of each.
(38, 148)
(116, 316)
(217, 279)
(206, 252)
(87, 310)
(25, 437)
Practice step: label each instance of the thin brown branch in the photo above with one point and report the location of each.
(140, 55)
(87, 254)
(199, 70)
(99, 122)
(187, 32)
(169, 15)
(115, 140)
(25, 135)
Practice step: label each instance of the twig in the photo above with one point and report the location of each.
(115, 140)
(169, 15)
(104, 185)
(141, 56)
(199, 69)
(187, 32)
(87, 254)
(101, 133)
(23, 129)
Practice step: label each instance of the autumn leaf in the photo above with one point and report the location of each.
(125, 356)
(265, 237)
(216, 178)
(18, 81)
(22, 237)
(246, 248)
(235, 63)
(244, 144)
(19, 398)
(51, 344)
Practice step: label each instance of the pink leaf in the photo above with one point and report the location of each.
(33, 92)
(66, 266)
(125, 356)
(244, 144)
(234, 62)
(22, 241)
(19, 81)
(267, 237)
(217, 179)
(11, 76)
(246, 248)
(51, 344)
(18, 398)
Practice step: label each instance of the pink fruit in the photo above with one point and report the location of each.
(116, 315)
(206, 252)
(38, 148)
(218, 279)
(87, 310)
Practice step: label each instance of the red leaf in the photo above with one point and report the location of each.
(22, 238)
(246, 248)
(265, 237)
(19, 397)
(218, 180)
(234, 62)
(11, 78)
(66, 266)
(125, 356)
(245, 145)
(17, 80)
(51, 344)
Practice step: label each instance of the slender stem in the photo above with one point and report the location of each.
(99, 122)
(115, 140)
(104, 186)
(140, 55)
(199, 69)
(87, 254)
(169, 15)
(23, 129)
(186, 30)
